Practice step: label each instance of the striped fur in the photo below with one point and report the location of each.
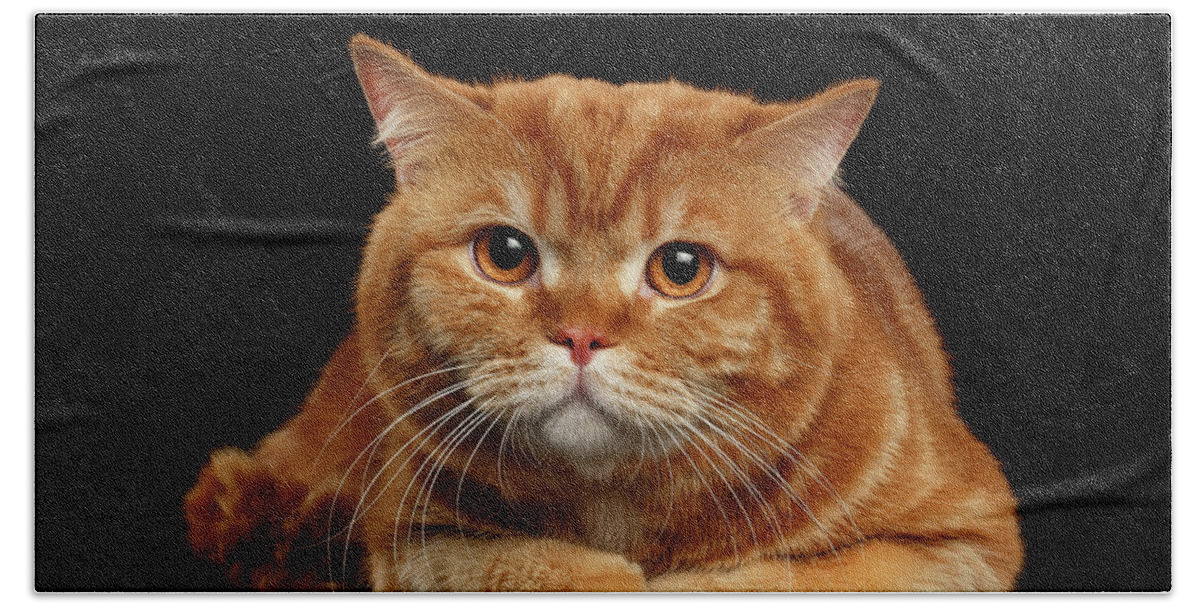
(791, 427)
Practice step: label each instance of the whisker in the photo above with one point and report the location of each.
(529, 448)
(500, 451)
(455, 438)
(462, 475)
(365, 492)
(374, 443)
(371, 456)
(728, 486)
(704, 480)
(370, 447)
(728, 408)
(750, 422)
(755, 493)
(665, 461)
(641, 448)
(429, 431)
(329, 438)
(333, 434)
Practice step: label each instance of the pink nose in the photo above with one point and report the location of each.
(581, 342)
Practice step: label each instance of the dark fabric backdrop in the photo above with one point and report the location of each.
(203, 184)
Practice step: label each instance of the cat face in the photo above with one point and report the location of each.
(606, 265)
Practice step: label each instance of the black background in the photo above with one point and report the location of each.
(203, 184)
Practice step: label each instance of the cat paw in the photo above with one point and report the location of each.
(231, 498)
(609, 573)
(677, 582)
(557, 566)
(240, 515)
(719, 580)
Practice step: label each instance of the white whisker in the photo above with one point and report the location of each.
(370, 448)
(750, 422)
(333, 434)
(704, 480)
(666, 461)
(728, 486)
(462, 475)
(755, 493)
(428, 433)
(452, 440)
(500, 451)
(726, 409)
(365, 491)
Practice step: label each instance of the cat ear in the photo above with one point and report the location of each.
(409, 106)
(810, 142)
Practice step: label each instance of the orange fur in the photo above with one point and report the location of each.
(792, 426)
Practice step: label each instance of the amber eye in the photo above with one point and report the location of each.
(505, 254)
(679, 270)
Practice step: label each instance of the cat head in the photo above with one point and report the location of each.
(606, 265)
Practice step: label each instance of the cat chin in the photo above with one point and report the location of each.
(586, 437)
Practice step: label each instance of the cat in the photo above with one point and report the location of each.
(618, 338)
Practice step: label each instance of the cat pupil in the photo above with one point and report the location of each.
(680, 264)
(506, 248)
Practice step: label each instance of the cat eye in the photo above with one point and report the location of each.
(679, 269)
(505, 254)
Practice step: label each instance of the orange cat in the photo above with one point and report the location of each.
(618, 338)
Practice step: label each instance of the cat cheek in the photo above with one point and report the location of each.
(802, 205)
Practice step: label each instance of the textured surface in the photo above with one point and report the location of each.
(203, 183)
